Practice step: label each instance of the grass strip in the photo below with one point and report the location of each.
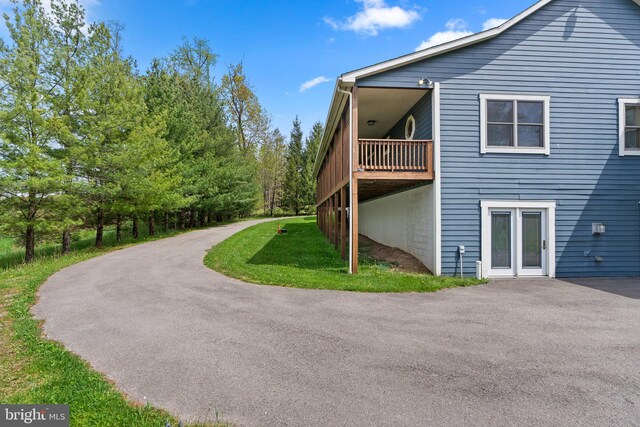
(303, 258)
(35, 370)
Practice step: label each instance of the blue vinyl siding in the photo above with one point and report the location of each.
(421, 112)
(585, 55)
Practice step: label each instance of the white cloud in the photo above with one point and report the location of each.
(375, 15)
(492, 23)
(454, 29)
(313, 82)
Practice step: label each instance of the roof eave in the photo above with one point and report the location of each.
(327, 133)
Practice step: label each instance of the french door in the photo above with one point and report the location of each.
(518, 240)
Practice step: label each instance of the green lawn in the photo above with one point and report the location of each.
(303, 258)
(12, 253)
(36, 370)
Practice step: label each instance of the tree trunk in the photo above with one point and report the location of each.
(99, 228)
(134, 230)
(152, 224)
(66, 241)
(30, 244)
(183, 218)
(119, 228)
(165, 222)
(272, 203)
(192, 218)
(219, 217)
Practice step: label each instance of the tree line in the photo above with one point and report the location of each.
(86, 139)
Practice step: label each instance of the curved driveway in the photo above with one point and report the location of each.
(171, 332)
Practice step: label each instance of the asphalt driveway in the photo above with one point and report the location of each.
(171, 332)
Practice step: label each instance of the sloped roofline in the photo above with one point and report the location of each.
(348, 79)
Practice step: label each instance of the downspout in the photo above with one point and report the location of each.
(350, 177)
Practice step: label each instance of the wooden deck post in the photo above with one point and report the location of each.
(328, 221)
(354, 218)
(354, 180)
(331, 220)
(343, 223)
(336, 213)
(326, 218)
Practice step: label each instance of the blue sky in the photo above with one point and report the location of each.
(285, 44)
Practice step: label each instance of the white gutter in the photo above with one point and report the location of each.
(350, 176)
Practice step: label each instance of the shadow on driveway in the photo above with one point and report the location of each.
(626, 287)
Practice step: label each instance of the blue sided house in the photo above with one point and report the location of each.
(511, 152)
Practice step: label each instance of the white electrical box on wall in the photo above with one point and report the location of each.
(597, 228)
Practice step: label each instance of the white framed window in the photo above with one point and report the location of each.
(629, 126)
(514, 124)
(410, 128)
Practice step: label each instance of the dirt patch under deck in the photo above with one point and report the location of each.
(398, 259)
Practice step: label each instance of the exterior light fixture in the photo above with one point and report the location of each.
(371, 122)
(597, 229)
(425, 81)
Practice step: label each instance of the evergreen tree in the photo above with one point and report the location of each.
(32, 178)
(217, 179)
(71, 52)
(294, 190)
(312, 145)
(86, 140)
(114, 109)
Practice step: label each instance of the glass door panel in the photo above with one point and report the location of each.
(501, 240)
(532, 240)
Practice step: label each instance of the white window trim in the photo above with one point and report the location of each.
(410, 119)
(622, 104)
(549, 206)
(484, 97)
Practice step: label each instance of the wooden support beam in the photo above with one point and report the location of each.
(343, 222)
(399, 176)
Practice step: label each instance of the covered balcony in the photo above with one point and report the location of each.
(375, 144)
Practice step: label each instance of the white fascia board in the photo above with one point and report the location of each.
(351, 77)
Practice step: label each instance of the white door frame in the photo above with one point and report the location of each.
(517, 205)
